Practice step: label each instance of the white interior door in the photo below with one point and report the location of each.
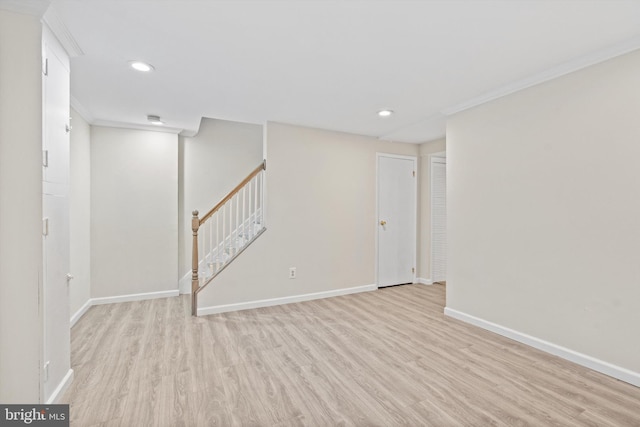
(438, 219)
(396, 219)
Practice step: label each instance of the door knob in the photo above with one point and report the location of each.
(383, 223)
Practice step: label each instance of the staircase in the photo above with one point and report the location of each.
(225, 231)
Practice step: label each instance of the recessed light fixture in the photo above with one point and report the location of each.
(141, 66)
(155, 120)
(385, 113)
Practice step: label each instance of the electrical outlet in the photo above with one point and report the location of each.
(292, 273)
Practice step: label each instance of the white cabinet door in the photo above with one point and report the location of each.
(55, 211)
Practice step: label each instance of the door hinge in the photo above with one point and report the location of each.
(45, 158)
(414, 174)
(413, 270)
(45, 67)
(45, 226)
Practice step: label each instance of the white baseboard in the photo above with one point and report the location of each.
(283, 300)
(184, 284)
(134, 297)
(606, 368)
(62, 387)
(120, 298)
(423, 281)
(87, 305)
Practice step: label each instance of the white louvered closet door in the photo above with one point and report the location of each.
(438, 219)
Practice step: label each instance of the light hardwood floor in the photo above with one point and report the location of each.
(386, 358)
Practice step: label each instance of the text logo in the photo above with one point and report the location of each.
(34, 415)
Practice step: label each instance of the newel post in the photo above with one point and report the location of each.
(195, 283)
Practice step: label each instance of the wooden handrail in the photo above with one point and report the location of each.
(256, 171)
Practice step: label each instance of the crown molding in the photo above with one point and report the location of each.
(62, 33)
(80, 109)
(550, 74)
(426, 129)
(90, 118)
(122, 125)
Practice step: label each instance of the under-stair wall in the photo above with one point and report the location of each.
(212, 163)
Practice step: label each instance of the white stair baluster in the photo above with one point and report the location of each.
(212, 262)
(202, 253)
(255, 204)
(250, 200)
(244, 230)
(228, 232)
(224, 231)
(237, 229)
(261, 200)
(217, 241)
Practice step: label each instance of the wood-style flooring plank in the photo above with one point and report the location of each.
(383, 358)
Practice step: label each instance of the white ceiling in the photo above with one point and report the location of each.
(328, 64)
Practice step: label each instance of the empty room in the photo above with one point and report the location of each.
(356, 212)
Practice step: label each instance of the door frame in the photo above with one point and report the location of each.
(440, 157)
(415, 213)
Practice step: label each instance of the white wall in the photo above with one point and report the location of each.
(544, 212)
(134, 212)
(80, 213)
(424, 223)
(212, 163)
(320, 218)
(20, 207)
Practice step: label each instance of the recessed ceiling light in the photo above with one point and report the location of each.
(141, 66)
(385, 113)
(155, 120)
